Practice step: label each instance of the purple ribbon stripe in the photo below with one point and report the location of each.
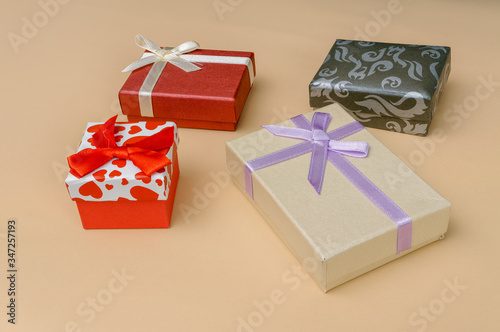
(326, 146)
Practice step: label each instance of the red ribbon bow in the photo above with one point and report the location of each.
(147, 154)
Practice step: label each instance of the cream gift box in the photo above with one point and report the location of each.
(340, 230)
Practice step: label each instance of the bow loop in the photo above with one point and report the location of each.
(105, 138)
(148, 154)
(320, 121)
(186, 47)
(146, 44)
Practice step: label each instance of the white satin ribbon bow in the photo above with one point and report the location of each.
(171, 55)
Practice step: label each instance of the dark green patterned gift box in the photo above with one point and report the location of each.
(387, 86)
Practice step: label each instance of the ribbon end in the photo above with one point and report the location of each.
(404, 237)
(146, 43)
(130, 67)
(184, 65)
(248, 181)
(316, 186)
(192, 69)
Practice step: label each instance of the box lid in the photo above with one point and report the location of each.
(217, 92)
(120, 179)
(381, 79)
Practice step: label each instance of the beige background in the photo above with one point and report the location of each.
(220, 260)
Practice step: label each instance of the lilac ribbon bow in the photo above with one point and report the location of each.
(326, 146)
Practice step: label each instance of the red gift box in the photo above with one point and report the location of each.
(210, 98)
(118, 194)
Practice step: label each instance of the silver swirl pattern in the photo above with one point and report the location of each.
(394, 82)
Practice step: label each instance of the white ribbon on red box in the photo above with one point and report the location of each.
(177, 56)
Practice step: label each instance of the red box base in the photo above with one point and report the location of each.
(130, 214)
(197, 124)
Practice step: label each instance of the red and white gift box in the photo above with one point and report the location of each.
(120, 195)
(209, 93)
